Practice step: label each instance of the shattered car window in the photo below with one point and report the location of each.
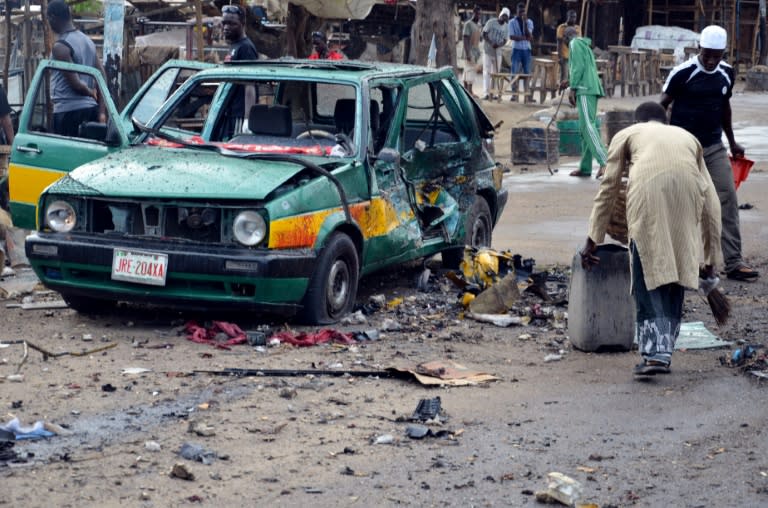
(164, 86)
(295, 117)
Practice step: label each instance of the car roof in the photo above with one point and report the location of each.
(333, 70)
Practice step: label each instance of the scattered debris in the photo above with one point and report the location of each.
(135, 370)
(427, 409)
(37, 430)
(304, 339)
(446, 372)
(219, 334)
(192, 451)
(54, 304)
(498, 298)
(201, 429)
(416, 431)
(152, 446)
(181, 472)
(108, 388)
(562, 489)
(751, 359)
(383, 439)
(501, 320)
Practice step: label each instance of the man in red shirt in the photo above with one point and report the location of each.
(321, 50)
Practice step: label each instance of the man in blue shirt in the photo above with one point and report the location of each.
(521, 35)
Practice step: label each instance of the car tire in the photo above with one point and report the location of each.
(333, 286)
(478, 231)
(88, 305)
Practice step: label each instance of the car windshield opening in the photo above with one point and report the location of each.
(275, 116)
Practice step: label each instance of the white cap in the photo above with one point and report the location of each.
(504, 11)
(713, 37)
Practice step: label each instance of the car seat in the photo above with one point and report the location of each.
(344, 116)
(270, 120)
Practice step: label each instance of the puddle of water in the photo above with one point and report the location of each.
(752, 138)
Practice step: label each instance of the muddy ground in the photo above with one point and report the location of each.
(693, 438)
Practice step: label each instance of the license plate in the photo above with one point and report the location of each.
(139, 267)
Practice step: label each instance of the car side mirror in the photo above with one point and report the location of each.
(389, 155)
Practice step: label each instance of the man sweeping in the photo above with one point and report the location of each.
(671, 210)
(586, 89)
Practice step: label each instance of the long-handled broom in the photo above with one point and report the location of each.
(718, 303)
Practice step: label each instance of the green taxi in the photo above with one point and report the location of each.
(271, 186)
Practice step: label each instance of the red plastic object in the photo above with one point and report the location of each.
(741, 167)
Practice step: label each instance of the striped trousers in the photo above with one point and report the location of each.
(592, 146)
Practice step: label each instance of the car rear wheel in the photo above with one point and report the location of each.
(478, 231)
(333, 286)
(87, 305)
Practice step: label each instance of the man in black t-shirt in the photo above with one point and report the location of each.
(241, 48)
(6, 125)
(699, 92)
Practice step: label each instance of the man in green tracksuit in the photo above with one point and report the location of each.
(586, 88)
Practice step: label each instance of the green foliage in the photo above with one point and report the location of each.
(87, 7)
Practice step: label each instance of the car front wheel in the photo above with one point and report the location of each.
(478, 231)
(333, 286)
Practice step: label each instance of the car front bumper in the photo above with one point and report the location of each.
(198, 276)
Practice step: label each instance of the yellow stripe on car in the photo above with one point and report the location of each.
(26, 183)
(375, 218)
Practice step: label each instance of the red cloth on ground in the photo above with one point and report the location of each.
(304, 339)
(197, 333)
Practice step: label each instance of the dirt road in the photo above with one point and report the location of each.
(693, 438)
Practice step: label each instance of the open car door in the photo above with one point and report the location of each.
(40, 155)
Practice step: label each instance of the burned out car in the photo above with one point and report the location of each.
(338, 169)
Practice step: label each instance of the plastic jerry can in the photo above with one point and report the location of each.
(601, 311)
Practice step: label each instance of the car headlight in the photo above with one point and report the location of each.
(249, 228)
(60, 217)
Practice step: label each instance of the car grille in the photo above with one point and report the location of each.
(199, 223)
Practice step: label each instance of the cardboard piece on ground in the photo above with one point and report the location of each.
(498, 298)
(445, 372)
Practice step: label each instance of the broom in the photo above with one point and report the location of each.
(718, 303)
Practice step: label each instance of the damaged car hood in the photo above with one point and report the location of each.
(164, 173)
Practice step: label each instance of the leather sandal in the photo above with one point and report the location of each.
(744, 274)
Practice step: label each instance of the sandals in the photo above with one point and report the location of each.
(576, 172)
(651, 368)
(744, 274)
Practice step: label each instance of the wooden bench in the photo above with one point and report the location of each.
(545, 78)
(501, 81)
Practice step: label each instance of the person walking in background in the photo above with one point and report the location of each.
(698, 92)
(494, 37)
(75, 96)
(241, 48)
(562, 45)
(671, 209)
(586, 89)
(321, 50)
(470, 35)
(521, 35)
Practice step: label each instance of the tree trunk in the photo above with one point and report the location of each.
(297, 32)
(434, 17)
